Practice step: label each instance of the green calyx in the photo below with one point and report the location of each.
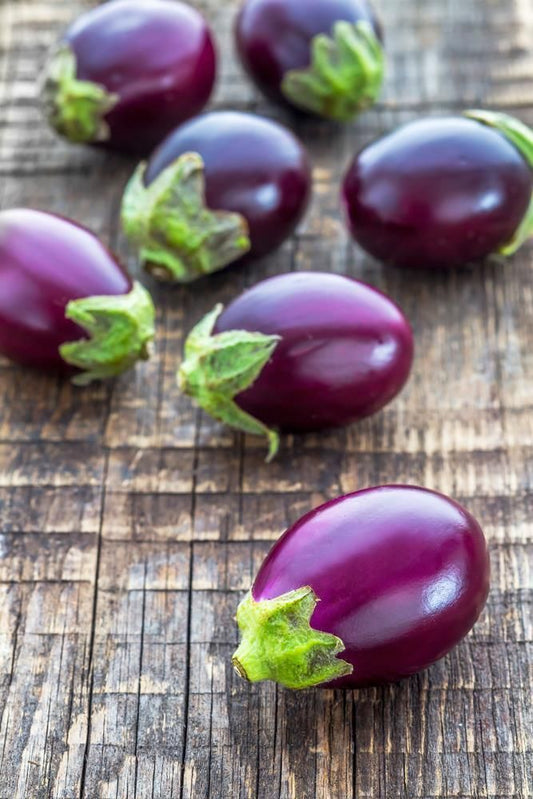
(279, 644)
(178, 237)
(521, 136)
(76, 109)
(216, 368)
(345, 76)
(120, 329)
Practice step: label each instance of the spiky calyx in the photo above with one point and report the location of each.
(178, 237)
(345, 75)
(279, 644)
(521, 136)
(217, 368)
(76, 109)
(120, 329)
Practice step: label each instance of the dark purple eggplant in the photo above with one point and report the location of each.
(220, 187)
(299, 352)
(127, 72)
(443, 192)
(322, 57)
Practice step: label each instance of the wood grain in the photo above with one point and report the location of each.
(130, 524)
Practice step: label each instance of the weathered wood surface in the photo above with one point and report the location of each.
(130, 523)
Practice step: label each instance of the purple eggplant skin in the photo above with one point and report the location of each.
(155, 58)
(438, 193)
(252, 166)
(401, 574)
(274, 37)
(346, 350)
(48, 262)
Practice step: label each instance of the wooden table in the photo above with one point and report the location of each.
(131, 523)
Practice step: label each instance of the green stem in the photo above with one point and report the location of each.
(279, 644)
(76, 109)
(521, 136)
(345, 76)
(180, 239)
(120, 329)
(216, 368)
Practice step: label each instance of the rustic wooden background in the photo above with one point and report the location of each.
(131, 524)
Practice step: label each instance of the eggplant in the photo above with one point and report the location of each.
(299, 352)
(321, 57)
(369, 588)
(127, 72)
(67, 305)
(443, 192)
(223, 186)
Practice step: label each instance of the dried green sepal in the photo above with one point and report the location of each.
(279, 644)
(76, 109)
(120, 329)
(345, 76)
(179, 238)
(216, 368)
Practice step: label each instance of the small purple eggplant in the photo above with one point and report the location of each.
(66, 303)
(220, 187)
(127, 72)
(322, 57)
(368, 588)
(298, 352)
(445, 192)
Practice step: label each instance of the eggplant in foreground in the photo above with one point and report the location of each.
(369, 588)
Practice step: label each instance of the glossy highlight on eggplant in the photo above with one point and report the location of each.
(299, 352)
(127, 72)
(443, 192)
(322, 57)
(369, 588)
(67, 305)
(223, 186)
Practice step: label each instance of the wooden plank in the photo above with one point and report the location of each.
(131, 524)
